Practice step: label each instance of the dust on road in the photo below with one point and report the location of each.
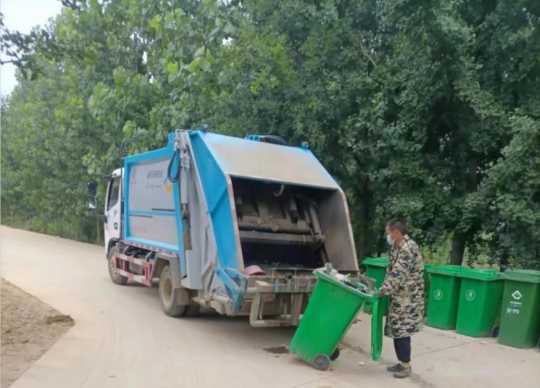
(29, 329)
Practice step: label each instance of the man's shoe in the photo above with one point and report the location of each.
(395, 368)
(404, 372)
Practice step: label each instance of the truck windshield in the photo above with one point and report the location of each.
(113, 193)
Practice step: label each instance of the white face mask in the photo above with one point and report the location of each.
(389, 240)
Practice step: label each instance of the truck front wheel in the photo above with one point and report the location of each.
(115, 276)
(169, 296)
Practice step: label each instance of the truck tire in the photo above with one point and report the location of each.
(115, 277)
(168, 295)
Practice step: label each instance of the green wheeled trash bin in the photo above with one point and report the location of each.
(443, 296)
(427, 267)
(427, 282)
(328, 316)
(520, 313)
(376, 269)
(479, 301)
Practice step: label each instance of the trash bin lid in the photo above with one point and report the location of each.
(448, 270)
(376, 261)
(323, 276)
(480, 274)
(522, 275)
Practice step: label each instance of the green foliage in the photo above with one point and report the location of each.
(513, 185)
(425, 110)
(41, 157)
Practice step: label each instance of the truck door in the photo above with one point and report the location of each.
(113, 210)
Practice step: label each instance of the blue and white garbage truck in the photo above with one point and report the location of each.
(229, 224)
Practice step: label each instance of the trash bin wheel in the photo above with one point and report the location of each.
(335, 355)
(321, 362)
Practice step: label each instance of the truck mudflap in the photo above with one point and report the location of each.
(233, 281)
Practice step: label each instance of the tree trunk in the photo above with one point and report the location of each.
(365, 220)
(59, 232)
(361, 244)
(98, 230)
(458, 249)
(504, 261)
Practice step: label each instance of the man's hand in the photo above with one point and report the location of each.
(377, 294)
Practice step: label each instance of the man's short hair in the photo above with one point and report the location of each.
(398, 224)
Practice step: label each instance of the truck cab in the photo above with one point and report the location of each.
(112, 220)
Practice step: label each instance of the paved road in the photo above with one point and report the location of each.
(122, 339)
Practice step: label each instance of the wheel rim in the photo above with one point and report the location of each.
(321, 362)
(167, 291)
(111, 266)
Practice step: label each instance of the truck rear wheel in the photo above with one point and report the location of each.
(115, 277)
(168, 295)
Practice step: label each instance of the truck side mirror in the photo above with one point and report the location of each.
(91, 189)
(91, 205)
(91, 194)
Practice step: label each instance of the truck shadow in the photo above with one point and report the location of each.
(228, 331)
(235, 327)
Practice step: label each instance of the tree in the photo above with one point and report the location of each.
(513, 186)
(419, 109)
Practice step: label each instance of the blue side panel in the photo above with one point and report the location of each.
(154, 244)
(129, 162)
(152, 213)
(217, 197)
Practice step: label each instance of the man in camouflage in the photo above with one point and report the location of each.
(404, 284)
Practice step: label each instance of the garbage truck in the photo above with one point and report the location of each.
(235, 225)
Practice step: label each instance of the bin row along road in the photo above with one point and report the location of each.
(121, 338)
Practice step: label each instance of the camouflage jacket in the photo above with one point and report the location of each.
(404, 283)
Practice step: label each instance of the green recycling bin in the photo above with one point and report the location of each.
(520, 313)
(328, 316)
(443, 296)
(479, 301)
(427, 282)
(376, 269)
(427, 267)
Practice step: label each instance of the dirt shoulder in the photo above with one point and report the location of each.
(29, 329)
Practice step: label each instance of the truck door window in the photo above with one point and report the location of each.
(114, 192)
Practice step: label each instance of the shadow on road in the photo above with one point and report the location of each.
(237, 326)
